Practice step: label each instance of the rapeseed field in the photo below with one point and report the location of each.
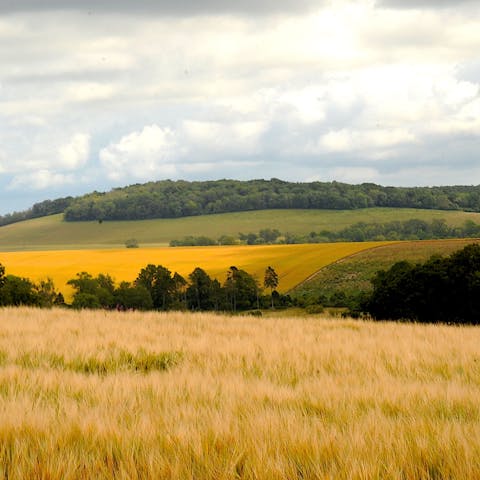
(293, 263)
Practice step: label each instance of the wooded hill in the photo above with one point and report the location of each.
(174, 199)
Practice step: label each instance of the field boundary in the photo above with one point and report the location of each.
(353, 255)
(340, 260)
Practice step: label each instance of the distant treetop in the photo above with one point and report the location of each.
(174, 199)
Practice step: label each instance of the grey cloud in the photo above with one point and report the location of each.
(408, 4)
(49, 78)
(470, 71)
(162, 7)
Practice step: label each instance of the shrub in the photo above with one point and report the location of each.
(131, 243)
(314, 309)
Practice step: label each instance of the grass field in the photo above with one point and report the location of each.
(172, 396)
(352, 274)
(293, 263)
(52, 233)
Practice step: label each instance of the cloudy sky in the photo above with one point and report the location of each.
(93, 97)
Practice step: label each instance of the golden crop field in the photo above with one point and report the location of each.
(109, 395)
(293, 263)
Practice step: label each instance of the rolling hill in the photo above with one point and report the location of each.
(351, 275)
(52, 232)
(180, 198)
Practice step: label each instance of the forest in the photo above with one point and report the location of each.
(440, 290)
(174, 199)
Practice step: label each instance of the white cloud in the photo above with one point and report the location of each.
(74, 154)
(40, 180)
(40, 152)
(201, 167)
(434, 4)
(354, 174)
(90, 91)
(350, 141)
(237, 138)
(299, 92)
(145, 154)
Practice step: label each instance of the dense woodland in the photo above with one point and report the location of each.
(174, 199)
(443, 289)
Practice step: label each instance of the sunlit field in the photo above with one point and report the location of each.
(293, 263)
(174, 396)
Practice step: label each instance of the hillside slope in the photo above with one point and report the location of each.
(180, 198)
(351, 275)
(53, 233)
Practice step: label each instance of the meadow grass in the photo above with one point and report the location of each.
(293, 263)
(245, 398)
(353, 273)
(53, 233)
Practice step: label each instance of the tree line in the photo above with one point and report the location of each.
(174, 199)
(413, 229)
(16, 291)
(41, 209)
(442, 289)
(155, 288)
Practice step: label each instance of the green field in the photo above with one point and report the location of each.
(352, 274)
(53, 232)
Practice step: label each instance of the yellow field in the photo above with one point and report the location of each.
(108, 395)
(293, 263)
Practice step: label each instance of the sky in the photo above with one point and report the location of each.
(94, 97)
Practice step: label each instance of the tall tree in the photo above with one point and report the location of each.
(179, 291)
(158, 280)
(201, 291)
(93, 292)
(129, 296)
(270, 281)
(231, 286)
(241, 288)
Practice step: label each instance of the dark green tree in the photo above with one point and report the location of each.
(131, 296)
(93, 292)
(241, 288)
(270, 281)
(158, 280)
(201, 292)
(47, 295)
(268, 235)
(85, 300)
(17, 291)
(439, 290)
(179, 291)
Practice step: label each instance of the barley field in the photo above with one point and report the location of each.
(293, 263)
(109, 395)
